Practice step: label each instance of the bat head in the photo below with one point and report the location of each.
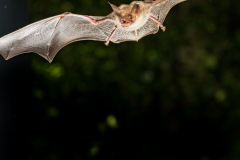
(127, 14)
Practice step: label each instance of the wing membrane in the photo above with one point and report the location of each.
(149, 28)
(75, 28)
(160, 10)
(48, 36)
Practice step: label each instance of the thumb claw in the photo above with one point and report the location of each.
(163, 28)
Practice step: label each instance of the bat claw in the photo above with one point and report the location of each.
(163, 28)
(106, 43)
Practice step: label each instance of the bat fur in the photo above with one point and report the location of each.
(126, 23)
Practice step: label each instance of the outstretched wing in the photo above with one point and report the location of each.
(160, 8)
(48, 36)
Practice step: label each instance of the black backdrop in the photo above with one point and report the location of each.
(15, 87)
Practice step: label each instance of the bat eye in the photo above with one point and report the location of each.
(130, 17)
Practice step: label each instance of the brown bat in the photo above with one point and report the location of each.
(126, 23)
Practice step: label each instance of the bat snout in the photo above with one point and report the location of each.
(125, 23)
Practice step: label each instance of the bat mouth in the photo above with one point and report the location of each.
(125, 24)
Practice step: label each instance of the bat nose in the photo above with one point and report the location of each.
(124, 20)
(125, 23)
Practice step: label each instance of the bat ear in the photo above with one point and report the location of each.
(115, 8)
(136, 9)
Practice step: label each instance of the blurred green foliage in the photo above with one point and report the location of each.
(170, 96)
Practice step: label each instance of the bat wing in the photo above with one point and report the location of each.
(158, 9)
(48, 36)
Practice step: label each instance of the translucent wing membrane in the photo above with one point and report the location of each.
(10, 42)
(149, 28)
(77, 29)
(48, 36)
(161, 10)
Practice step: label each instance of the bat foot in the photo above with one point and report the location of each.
(159, 23)
(110, 37)
(163, 28)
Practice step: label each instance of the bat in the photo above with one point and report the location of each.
(126, 23)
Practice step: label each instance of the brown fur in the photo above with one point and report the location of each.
(127, 14)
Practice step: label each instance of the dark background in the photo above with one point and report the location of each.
(170, 96)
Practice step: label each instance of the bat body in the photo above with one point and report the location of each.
(126, 23)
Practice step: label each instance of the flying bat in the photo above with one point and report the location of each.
(126, 23)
